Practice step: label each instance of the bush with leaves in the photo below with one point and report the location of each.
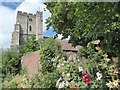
(10, 63)
(50, 50)
(30, 45)
(101, 65)
(45, 81)
(18, 81)
(21, 80)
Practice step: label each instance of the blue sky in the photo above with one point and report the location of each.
(8, 15)
(11, 5)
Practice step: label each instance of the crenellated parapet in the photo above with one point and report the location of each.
(29, 14)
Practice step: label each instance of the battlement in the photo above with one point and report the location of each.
(25, 13)
(30, 14)
(19, 12)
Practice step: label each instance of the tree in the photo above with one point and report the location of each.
(85, 22)
(95, 26)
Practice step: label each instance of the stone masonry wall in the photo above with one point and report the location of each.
(31, 63)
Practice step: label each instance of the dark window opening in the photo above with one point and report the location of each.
(30, 28)
(30, 19)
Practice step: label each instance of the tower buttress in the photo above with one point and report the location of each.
(16, 35)
(39, 25)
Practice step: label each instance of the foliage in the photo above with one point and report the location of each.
(97, 31)
(50, 50)
(17, 81)
(46, 81)
(98, 60)
(85, 22)
(67, 74)
(1, 57)
(92, 62)
(30, 44)
(10, 63)
(20, 80)
(0, 68)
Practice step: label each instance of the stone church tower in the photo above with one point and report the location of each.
(27, 25)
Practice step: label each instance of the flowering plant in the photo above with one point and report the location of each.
(86, 78)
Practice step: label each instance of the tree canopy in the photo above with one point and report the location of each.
(85, 22)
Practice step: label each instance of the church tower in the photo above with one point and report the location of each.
(26, 25)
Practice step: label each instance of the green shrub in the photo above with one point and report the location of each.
(50, 53)
(96, 60)
(46, 81)
(50, 50)
(10, 63)
(30, 45)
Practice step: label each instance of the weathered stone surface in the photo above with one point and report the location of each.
(31, 63)
(26, 25)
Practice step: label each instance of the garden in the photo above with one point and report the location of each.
(94, 27)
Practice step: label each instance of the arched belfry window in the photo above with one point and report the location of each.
(30, 28)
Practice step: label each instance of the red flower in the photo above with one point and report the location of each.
(86, 78)
(85, 75)
(87, 81)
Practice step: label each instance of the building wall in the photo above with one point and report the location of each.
(39, 21)
(15, 39)
(31, 63)
(71, 55)
(28, 24)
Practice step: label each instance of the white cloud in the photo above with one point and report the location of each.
(6, 25)
(8, 16)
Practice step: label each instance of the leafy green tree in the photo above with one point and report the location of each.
(85, 22)
(10, 63)
(30, 44)
(95, 26)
